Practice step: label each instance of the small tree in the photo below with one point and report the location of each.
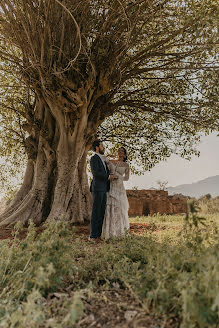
(162, 184)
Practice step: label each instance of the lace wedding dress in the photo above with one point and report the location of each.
(116, 221)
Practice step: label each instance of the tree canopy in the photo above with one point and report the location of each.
(160, 56)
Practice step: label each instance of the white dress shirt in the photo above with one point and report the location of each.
(103, 158)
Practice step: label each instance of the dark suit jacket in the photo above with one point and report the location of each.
(100, 180)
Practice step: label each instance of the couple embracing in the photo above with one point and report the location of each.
(109, 216)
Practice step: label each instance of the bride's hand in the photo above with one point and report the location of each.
(113, 177)
(107, 160)
(111, 156)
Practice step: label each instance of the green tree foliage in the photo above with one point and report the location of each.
(13, 99)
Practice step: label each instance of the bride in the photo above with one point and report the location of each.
(116, 221)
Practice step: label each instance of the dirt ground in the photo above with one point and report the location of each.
(116, 308)
(83, 230)
(137, 228)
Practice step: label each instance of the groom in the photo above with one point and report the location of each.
(99, 187)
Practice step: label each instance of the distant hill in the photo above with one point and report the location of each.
(198, 189)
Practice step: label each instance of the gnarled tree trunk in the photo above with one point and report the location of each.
(55, 184)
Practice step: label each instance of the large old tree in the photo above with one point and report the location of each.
(134, 71)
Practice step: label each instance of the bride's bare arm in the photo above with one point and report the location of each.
(127, 173)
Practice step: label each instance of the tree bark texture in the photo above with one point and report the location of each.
(55, 185)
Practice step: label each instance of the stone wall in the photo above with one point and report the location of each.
(149, 202)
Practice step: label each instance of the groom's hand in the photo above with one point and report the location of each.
(113, 177)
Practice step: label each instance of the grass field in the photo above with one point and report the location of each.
(165, 226)
(163, 274)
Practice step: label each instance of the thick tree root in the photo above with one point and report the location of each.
(75, 209)
(29, 209)
(22, 193)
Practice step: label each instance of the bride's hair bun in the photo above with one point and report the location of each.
(125, 154)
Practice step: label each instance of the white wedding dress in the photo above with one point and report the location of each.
(116, 221)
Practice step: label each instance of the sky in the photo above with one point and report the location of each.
(176, 170)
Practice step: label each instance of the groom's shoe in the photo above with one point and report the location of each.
(94, 240)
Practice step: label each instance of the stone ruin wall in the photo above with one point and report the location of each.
(149, 202)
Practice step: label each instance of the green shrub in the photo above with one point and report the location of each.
(43, 277)
(30, 270)
(209, 205)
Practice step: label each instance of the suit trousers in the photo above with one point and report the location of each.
(98, 213)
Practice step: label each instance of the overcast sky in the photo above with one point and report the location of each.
(179, 171)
